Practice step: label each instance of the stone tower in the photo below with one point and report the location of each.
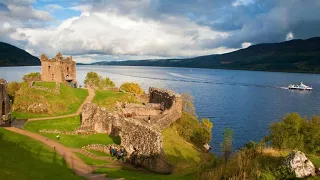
(58, 69)
(4, 100)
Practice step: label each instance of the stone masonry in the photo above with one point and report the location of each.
(58, 69)
(137, 136)
(4, 100)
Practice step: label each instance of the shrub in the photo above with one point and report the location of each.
(34, 76)
(192, 131)
(94, 80)
(12, 88)
(200, 136)
(226, 145)
(284, 173)
(132, 88)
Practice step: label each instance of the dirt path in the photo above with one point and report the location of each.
(88, 99)
(76, 164)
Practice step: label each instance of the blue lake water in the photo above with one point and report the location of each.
(245, 101)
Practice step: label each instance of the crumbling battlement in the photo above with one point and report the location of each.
(5, 105)
(58, 69)
(164, 96)
(172, 104)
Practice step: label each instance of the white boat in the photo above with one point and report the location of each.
(301, 86)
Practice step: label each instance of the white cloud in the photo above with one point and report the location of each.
(6, 25)
(242, 2)
(289, 36)
(246, 44)
(114, 34)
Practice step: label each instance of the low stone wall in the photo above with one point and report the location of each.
(78, 131)
(56, 90)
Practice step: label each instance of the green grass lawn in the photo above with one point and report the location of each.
(67, 102)
(50, 85)
(93, 162)
(98, 153)
(26, 159)
(132, 174)
(63, 124)
(78, 141)
(108, 99)
(68, 124)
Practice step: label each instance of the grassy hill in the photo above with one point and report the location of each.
(67, 102)
(23, 158)
(13, 56)
(289, 56)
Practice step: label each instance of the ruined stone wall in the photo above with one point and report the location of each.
(4, 102)
(172, 103)
(134, 135)
(58, 69)
(157, 95)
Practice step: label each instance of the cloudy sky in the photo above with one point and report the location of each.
(150, 29)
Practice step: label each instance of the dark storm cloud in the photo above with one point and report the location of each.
(258, 21)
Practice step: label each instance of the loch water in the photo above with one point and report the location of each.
(245, 101)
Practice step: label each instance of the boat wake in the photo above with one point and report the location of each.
(195, 80)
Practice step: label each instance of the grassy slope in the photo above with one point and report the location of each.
(50, 85)
(68, 124)
(67, 102)
(98, 153)
(23, 158)
(183, 155)
(90, 161)
(108, 99)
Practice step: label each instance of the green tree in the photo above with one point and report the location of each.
(109, 83)
(226, 145)
(34, 76)
(207, 125)
(187, 104)
(287, 134)
(94, 80)
(12, 88)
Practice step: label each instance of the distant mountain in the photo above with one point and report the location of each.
(13, 56)
(289, 56)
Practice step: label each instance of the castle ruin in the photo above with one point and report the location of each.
(4, 100)
(58, 69)
(130, 122)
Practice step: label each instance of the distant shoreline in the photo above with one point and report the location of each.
(236, 69)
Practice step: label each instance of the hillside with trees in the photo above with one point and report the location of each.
(289, 56)
(13, 56)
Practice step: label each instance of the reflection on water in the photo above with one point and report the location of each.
(245, 101)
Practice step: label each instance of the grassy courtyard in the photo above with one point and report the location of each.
(67, 102)
(108, 99)
(23, 158)
(68, 124)
(49, 85)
